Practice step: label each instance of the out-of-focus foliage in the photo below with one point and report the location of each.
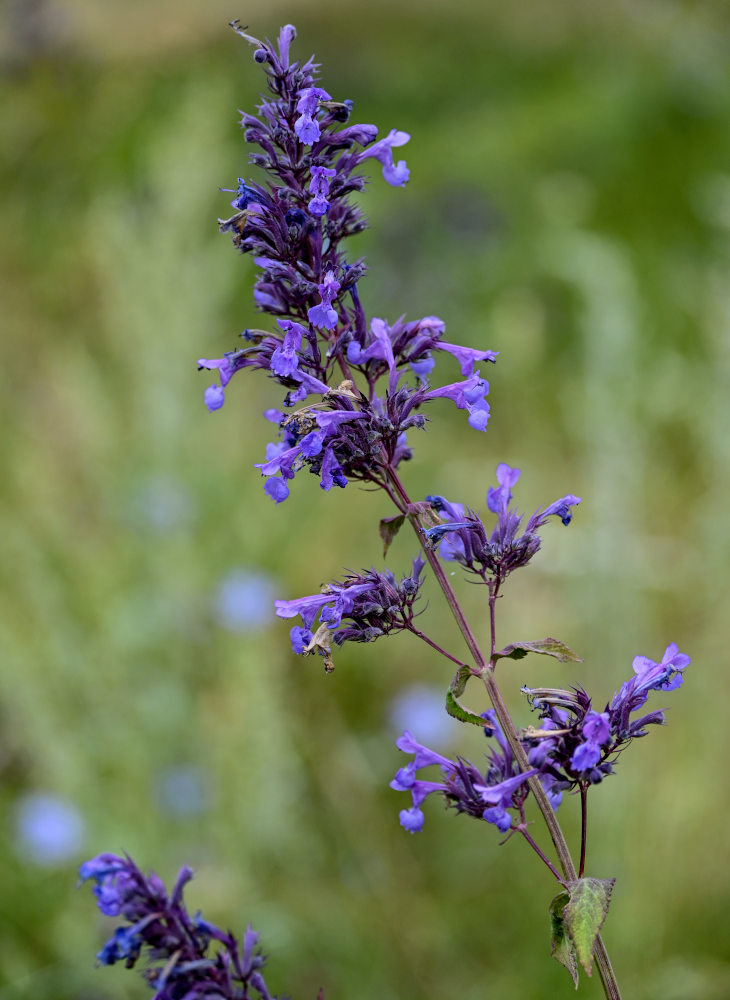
(569, 206)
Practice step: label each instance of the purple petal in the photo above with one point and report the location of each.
(412, 819)
(214, 397)
(499, 816)
(585, 756)
(277, 489)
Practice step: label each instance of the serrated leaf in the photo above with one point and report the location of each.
(389, 528)
(547, 647)
(584, 914)
(561, 947)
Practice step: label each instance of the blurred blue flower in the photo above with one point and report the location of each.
(162, 504)
(182, 790)
(49, 830)
(244, 600)
(422, 710)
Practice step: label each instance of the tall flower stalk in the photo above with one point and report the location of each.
(353, 395)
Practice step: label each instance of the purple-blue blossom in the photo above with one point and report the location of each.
(463, 537)
(324, 314)
(468, 395)
(360, 608)
(285, 359)
(578, 744)
(306, 126)
(488, 796)
(395, 174)
(319, 188)
(499, 497)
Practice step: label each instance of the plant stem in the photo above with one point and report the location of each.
(583, 827)
(422, 635)
(541, 854)
(486, 668)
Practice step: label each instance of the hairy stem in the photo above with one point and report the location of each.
(486, 668)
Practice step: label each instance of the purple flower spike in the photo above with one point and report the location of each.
(395, 174)
(181, 962)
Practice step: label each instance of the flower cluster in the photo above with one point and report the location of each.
(178, 946)
(294, 226)
(577, 744)
(486, 796)
(574, 745)
(463, 538)
(373, 603)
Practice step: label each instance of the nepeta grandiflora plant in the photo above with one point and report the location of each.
(353, 396)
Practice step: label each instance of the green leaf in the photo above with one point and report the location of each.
(548, 647)
(561, 947)
(457, 711)
(389, 528)
(456, 689)
(584, 914)
(458, 685)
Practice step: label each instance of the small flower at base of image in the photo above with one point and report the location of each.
(184, 964)
(243, 600)
(420, 709)
(49, 830)
(182, 790)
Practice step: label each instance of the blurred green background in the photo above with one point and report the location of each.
(569, 206)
